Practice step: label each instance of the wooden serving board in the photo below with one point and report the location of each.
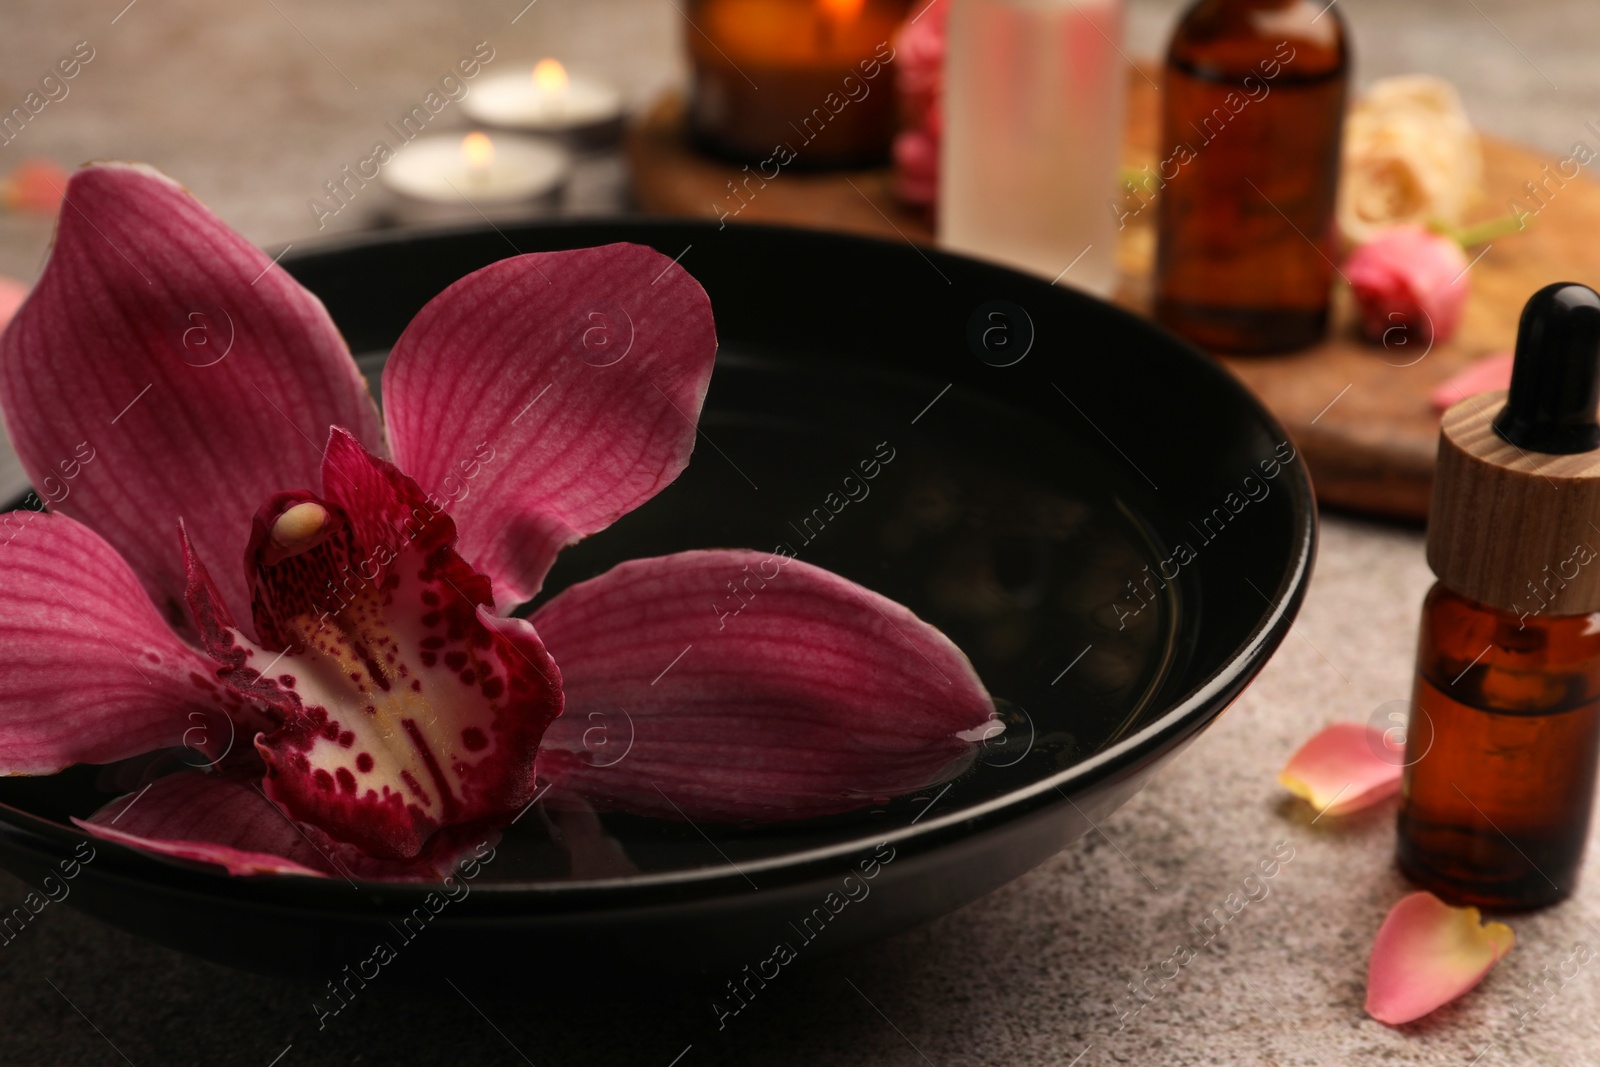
(1372, 450)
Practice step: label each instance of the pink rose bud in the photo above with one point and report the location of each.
(919, 85)
(1410, 284)
(916, 160)
(919, 54)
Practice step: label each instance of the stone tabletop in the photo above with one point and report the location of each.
(254, 105)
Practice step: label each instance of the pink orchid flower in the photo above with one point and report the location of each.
(186, 407)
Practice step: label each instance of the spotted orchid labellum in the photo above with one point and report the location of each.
(257, 569)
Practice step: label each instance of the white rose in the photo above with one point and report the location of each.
(1410, 156)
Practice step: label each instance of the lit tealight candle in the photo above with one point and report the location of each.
(550, 101)
(839, 16)
(477, 151)
(476, 169)
(551, 79)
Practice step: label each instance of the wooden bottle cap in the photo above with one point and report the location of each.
(1516, 492)
(1513, 529)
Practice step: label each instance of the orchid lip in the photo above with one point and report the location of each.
(402, 705)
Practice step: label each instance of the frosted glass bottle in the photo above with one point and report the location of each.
(1033, 106)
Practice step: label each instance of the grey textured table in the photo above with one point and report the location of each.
(254, 105)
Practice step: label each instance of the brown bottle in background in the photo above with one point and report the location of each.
(1504, 735)
(1252, 117)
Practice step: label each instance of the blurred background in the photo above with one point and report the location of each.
(254, 105)
(261, 108)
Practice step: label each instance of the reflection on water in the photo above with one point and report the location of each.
(994, 526)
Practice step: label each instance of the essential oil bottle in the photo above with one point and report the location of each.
(1504, 734)
(1252, 108)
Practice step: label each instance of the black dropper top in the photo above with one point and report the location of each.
(1555, 377)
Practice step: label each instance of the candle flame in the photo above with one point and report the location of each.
(477, 151)
(550, 77)
(841, 11)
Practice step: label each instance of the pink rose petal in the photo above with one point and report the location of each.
(34, 186)
(1345, 767)
(12, 294)
(1487, 374)
(801, 694)
(1426, 954)
(547, 395)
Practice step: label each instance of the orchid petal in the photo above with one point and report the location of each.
(88, 671)
(570, 382)
(802, 695)
(199, 376)
(227, 820)
(1345, 767)
(404, 704)
(1427, 954)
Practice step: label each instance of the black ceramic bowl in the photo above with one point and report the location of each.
(1105, 521)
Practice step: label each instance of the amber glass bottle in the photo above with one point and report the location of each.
(1506, 732)
(1252, 115)
(1505, 725)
